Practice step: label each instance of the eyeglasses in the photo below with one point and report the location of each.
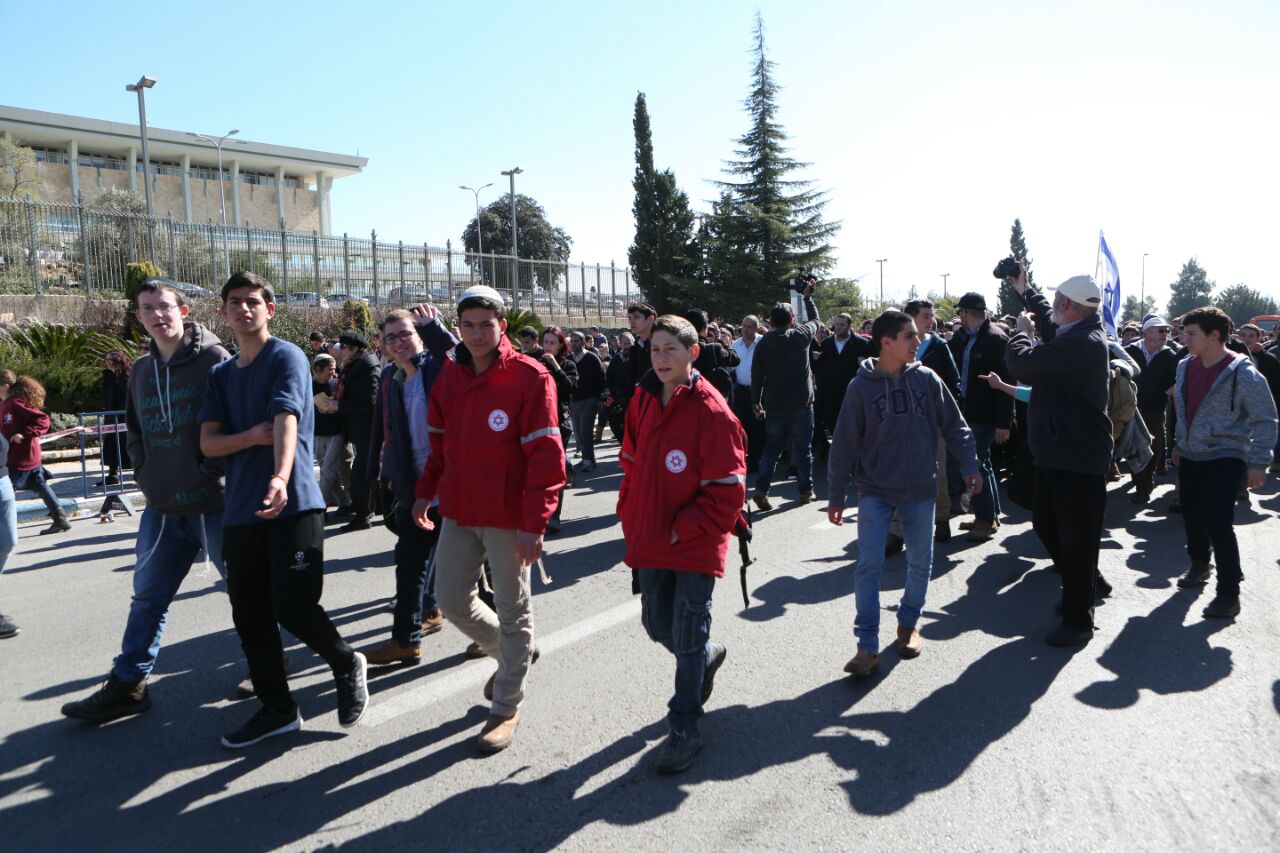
(403, 337)
(162, 308)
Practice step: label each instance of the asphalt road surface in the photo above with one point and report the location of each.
(1163, 733)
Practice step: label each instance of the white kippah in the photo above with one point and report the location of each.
(483, 291)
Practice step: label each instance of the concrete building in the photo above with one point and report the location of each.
(264, 184)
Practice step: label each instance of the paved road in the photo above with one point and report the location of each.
(1164, 733)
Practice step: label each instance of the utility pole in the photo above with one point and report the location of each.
(144, 83)
(881, 261)
(515, 246)
(945, 276)
(1142, 293)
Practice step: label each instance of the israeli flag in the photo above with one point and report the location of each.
(1107, 277)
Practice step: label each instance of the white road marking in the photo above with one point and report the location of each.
(473, 676)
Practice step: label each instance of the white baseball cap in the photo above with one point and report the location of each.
(1081, 290)
(1155, 323)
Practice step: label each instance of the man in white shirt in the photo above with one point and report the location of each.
(745, 348)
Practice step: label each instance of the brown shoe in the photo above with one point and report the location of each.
(393, 652)
(432, 622)
(862, 664)
(497, 733)
(909, 642)
(474, 651)
(982, 531)
(807, 497)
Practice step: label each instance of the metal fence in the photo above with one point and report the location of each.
(62, 248)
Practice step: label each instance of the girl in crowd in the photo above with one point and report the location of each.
(22, 423)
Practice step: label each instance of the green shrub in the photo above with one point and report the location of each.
(518, 319)
(135, 274)
(355, 316)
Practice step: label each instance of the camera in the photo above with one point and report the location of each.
(1008, 268)
(802, 280)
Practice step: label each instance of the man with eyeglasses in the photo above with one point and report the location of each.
(398, 451)
(183, 516)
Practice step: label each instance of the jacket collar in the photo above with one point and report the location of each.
(506, 354)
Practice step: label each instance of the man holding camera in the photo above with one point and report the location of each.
(782, 395)
(1070, 437)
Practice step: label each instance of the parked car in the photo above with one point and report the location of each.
(308, 297)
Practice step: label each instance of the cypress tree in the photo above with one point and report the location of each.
(1010, 301)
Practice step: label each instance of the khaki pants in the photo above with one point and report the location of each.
(507, 635)
(942, 508)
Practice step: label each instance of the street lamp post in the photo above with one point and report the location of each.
(217, 143)
(881, 261)
(515, 245)
(945, 276)
(144, 83)
(479, 233)
(1142, 293)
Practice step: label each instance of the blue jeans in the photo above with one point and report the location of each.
(873, 531)
(675, 608)
(985, 504)
(167, 547)
(796, 427)
(8, 521)
(36, 481)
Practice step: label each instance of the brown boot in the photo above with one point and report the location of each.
(862, 664)
(982, 531)
(393, 652)
(473, 651)
(909, 642)
(497, 733)
(432, 622)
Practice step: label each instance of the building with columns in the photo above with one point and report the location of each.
(264, 186)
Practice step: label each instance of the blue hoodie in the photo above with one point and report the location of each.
(887, 434)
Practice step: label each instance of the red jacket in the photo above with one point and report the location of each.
(683, 470)
(496, 458)
(17, 417)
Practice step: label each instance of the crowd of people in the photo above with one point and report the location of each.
(460, 437)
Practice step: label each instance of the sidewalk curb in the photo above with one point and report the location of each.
(30, 511)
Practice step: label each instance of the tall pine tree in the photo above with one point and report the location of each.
(766, 225)
(1010, 301)
(1193, 289)
(663, 255)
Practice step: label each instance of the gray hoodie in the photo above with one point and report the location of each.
(164, 435)
(1237, 419)
(887, 433)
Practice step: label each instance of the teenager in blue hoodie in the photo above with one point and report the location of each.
(893, 413)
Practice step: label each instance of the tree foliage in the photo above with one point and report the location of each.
(837, 295)
(664, 255)
(1010, 301)
(1242, 303)
(767, 224)
(1132, 312)
(538, 239)
(1193, 289)
(19, 173)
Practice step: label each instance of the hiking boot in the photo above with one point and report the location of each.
(473, 651)
(982, 531)
(1223, 606)
(353, 692)
(264, 724)
(864, 663)
(762, 501)
(807, 497)
(488, 685)
(942, 530)
(394, 652)
(1067, 636)
(432, 622)
(1197, 575)
(1140, 498)
(60, 525)
(894, 544)
(909, 642)
(678, 751)
(497, 733)
(8, 628)
(115, 699)
(360, 522)
(718, 653)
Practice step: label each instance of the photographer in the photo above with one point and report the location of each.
(782, 395)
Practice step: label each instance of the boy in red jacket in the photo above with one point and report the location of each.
(497, 466)
(683, 486)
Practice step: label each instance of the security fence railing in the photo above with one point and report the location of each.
(63, 248)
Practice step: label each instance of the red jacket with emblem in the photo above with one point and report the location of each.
(684, 470)
(17, 417)
(496, 458)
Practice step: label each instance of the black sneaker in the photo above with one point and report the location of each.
(718, 653)
(360, 522)
(353, 692)
(678, 751)
(8, 628)
(762, 501)
(264, 724)
(1197, 575)
(1223, 606)
(115, 699)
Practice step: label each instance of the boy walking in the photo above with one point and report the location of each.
(258, 414)
(683, 486)
(497, 466)
(1226, 431)
(183, 490)
(885, 439)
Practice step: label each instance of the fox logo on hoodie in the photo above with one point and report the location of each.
(903, 401)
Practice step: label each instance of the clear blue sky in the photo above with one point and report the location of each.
(933, 124)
